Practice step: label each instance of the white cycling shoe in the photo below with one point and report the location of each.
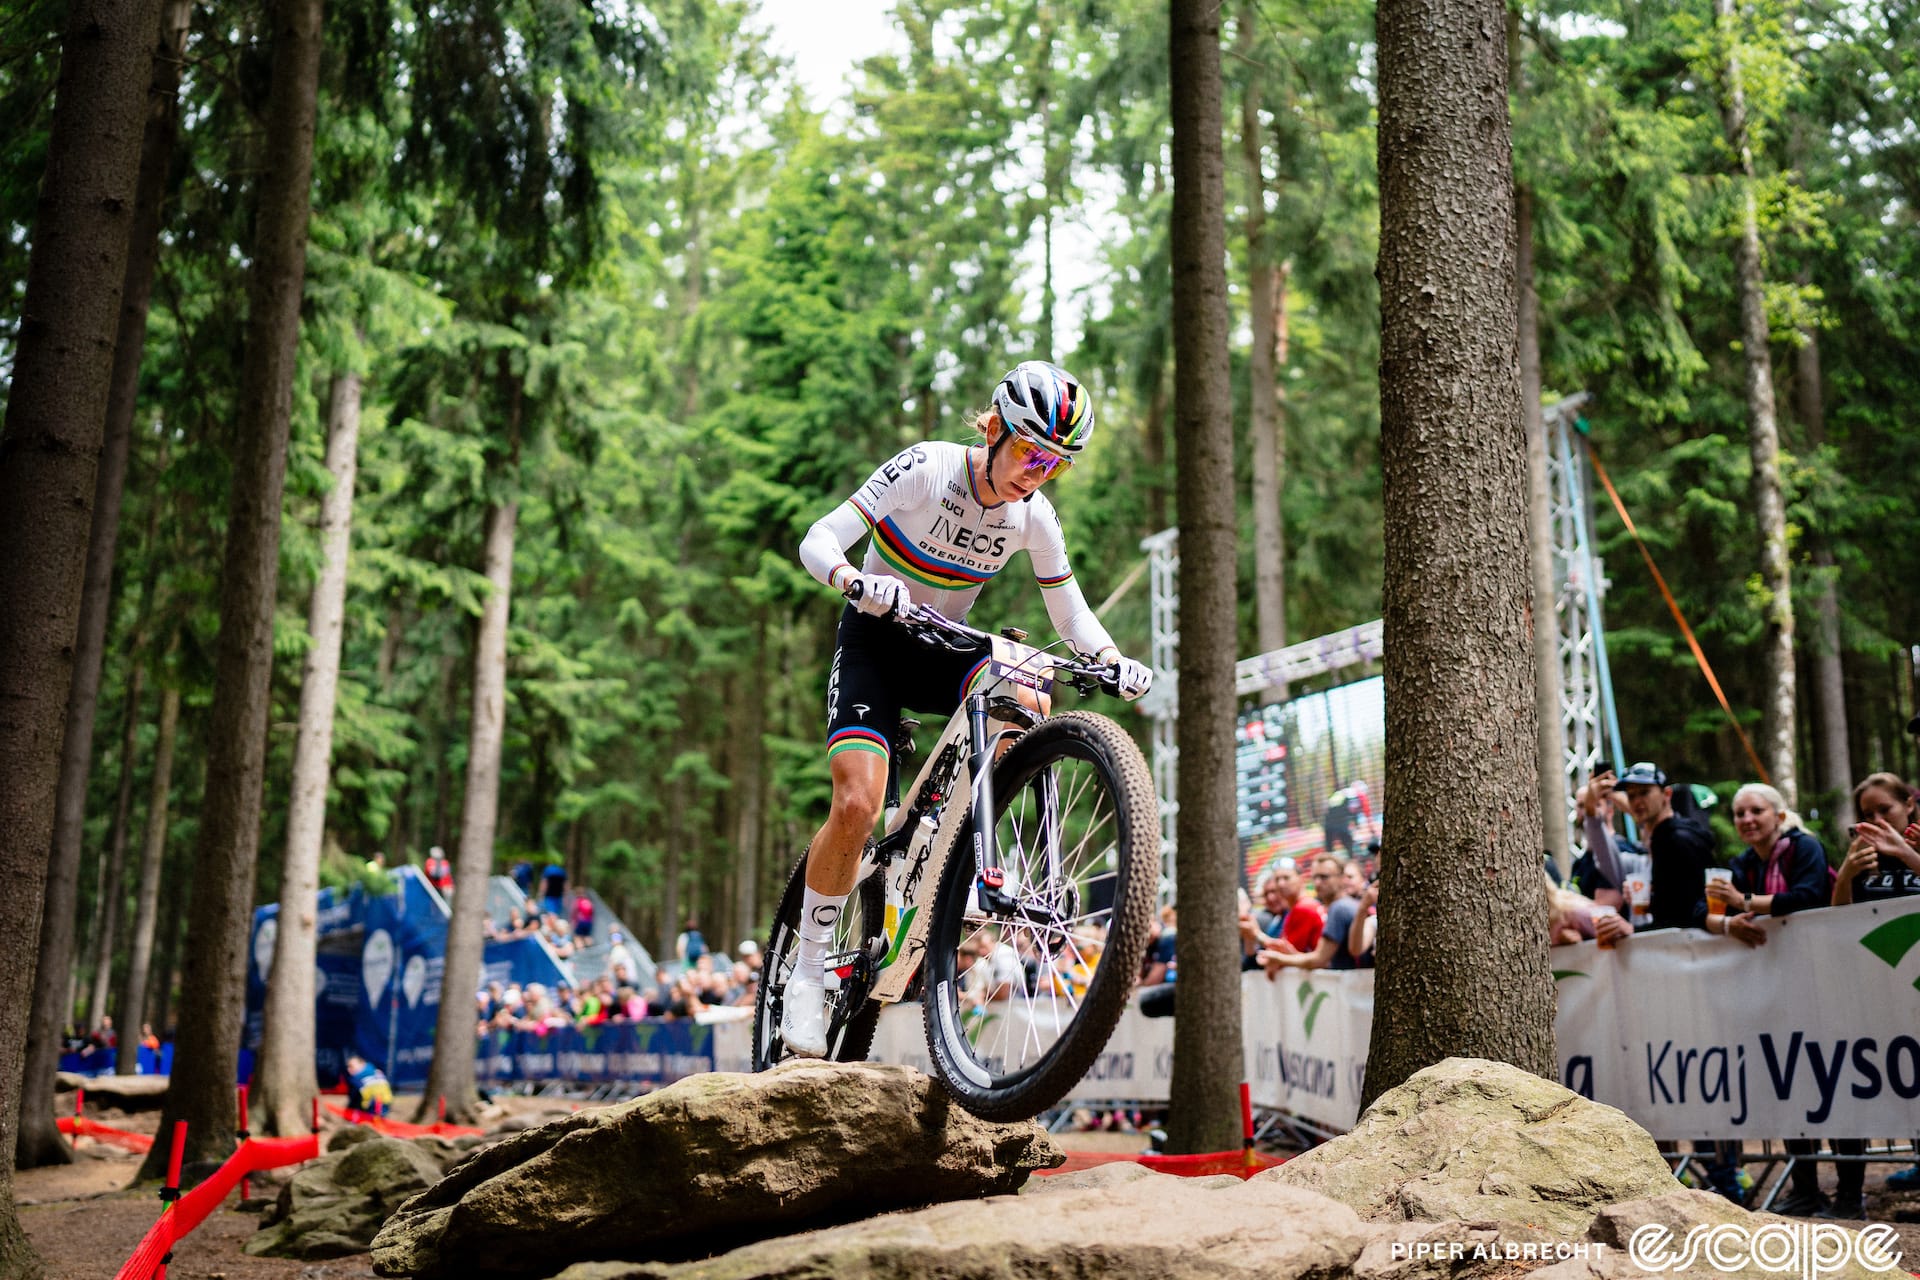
(803, 1017)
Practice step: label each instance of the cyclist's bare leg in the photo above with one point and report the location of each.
(859, 789)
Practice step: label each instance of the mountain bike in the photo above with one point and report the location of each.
(1042, 829)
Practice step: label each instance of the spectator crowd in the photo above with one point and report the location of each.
(1668, 874)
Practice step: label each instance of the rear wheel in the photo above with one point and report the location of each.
(851, 1016)
(1020, 1002)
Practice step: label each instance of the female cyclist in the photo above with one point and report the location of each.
(944, 518)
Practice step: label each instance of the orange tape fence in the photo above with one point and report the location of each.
(81, 1127)
(186, 1211)
(400, 1128)
(1243, 1163)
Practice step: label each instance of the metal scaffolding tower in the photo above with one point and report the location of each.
(1586, 702)
(1586, 681)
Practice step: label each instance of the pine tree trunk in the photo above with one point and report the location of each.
(213, 1000)
(1263, 400)
(174, 900)
(1763, 431)
(1153, 453)
(113, 893)
(1829, 676)
(40, 1141)
(130, 341)
(1207, 1066)
(286, 1065)
(1462, 839)
(451, 1074)
(153, 850)
(49, 456)
(1543, 614)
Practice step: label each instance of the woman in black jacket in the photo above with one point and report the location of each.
(1783, 869)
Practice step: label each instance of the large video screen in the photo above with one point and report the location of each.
(1311, 773)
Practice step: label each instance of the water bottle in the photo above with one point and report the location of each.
(897, 875)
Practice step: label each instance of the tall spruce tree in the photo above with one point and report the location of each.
(1462, 838)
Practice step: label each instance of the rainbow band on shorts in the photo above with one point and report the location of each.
(856, 738)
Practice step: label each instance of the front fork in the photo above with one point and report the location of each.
(989, 877)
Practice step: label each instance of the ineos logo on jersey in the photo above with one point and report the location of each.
(903, 463)
(964, 539)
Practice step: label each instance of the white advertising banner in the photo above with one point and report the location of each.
(1694, 1035)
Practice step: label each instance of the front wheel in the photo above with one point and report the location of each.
(851, 1015)
(1020, 1001)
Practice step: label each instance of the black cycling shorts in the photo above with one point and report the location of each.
(879, 670)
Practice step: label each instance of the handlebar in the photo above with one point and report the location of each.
(929, 626)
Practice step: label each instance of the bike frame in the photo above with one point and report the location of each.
(914, 874)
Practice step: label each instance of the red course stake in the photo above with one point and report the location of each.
(173, 1161)
(1246, 1113)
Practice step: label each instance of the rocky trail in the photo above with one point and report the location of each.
(1470, 1171)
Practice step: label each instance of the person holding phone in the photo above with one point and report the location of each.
(1611, 862)
(1883, 861)
(1883, 854)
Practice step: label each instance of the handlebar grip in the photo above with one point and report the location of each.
(854, 591)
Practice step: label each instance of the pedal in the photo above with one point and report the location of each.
(903, 744)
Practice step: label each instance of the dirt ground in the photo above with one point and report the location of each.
(85, 1223)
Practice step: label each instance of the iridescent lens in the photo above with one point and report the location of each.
(1039, 460)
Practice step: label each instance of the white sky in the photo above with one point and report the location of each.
(828, 39)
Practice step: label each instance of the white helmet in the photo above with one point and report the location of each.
(1044, 404)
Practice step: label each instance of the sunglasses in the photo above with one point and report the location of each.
(1036, 461)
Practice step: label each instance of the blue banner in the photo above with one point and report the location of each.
(380, 960)
(646, 1054)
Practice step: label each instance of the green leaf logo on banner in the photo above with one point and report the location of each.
(1570, 973)
(1311, 1001)
(1892, 940)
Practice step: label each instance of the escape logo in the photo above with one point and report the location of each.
(1803, 1249)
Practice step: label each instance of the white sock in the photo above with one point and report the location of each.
(819, 912)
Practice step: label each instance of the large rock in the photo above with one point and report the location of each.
(1484, 1142)
(1117, 1220)
(709, 1162)
(333, 1206)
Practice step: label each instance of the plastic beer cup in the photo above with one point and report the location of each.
(1640, 894)
(1599, 913)
(1716, 908)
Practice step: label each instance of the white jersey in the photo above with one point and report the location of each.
(933, 530)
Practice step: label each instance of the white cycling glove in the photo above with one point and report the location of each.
(880, 594)
(1134, 678)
